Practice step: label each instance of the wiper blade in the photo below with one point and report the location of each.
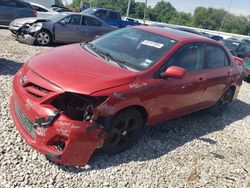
(107, 56)
(121, 63)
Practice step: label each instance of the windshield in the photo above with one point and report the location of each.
(136, 48)
(57, 17)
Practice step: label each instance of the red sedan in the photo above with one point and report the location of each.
(71, 100)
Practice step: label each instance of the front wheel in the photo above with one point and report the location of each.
(125, 129)
(43, 38)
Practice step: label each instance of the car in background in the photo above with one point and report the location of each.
(111, 17)
(214, 37)
(13, 9)
(240, 49)
(71, 100)
(42, 11)
(236, 47)
(62, 28)
(60, 9)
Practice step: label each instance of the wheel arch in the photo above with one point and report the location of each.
(141, 109)
(45, 29)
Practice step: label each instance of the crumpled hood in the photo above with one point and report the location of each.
(29, 20)
(76, 70)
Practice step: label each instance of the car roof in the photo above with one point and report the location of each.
(175, 34)
(94, 8)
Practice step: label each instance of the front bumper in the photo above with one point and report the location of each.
(26, 38)
(64, 141)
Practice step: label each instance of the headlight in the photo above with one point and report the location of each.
(76, 106)
(35, 27)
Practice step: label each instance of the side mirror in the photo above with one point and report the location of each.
(174, 72)
(62, 22)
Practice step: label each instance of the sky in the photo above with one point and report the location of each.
(238, 7)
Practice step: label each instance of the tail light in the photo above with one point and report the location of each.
(238, 60)
(34, 12)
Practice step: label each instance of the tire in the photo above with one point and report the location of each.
(225, 99)
(43, 38)
(124, 131)
(247, 79)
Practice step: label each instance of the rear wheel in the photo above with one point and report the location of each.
(125, 129)
(225, 99)
(43, 38)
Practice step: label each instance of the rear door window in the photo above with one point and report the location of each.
(215, 57)
(91, 22)
(188, 58)
(103, 14)
(39, 9)
(73, 20)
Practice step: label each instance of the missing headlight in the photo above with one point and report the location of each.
(77, 107)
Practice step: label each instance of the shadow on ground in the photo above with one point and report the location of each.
(158, 140)
(9, 67)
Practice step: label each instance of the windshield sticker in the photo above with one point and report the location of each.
(152, 43)
(148, 61)
(144, 64)
(172, 41)
(236, 43)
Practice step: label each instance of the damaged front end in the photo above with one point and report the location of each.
(27, 32)
(62, 125)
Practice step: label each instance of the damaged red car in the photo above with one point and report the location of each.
(71, 100)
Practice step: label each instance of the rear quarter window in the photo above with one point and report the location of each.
(215, 57)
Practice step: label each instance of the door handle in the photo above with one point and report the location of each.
(201, 79)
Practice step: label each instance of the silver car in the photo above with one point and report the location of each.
(62, 28)
(42, 11)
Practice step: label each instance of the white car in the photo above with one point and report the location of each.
(42, 11)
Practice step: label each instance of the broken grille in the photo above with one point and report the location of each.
(27, 124)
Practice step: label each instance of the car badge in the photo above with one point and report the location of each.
(23, 80)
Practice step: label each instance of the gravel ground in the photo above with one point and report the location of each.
(197, 150)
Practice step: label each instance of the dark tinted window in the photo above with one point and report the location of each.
(91, 22)
(215, 57)
(189, 58)
(103, 14)
(113, 15)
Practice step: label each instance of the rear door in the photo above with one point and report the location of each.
(68, 29)
(90, 28)
(218, 73)
(181, 96)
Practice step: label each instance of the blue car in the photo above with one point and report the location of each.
(111, 17)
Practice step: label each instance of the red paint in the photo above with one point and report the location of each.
(175, 72)
(72, 69)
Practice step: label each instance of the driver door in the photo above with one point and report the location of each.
(68, 29)
(177, 97)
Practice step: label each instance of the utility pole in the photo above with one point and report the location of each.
(145, 11)
(225, 16)
(129, 1)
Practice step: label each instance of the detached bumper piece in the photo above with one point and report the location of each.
(59, 138)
